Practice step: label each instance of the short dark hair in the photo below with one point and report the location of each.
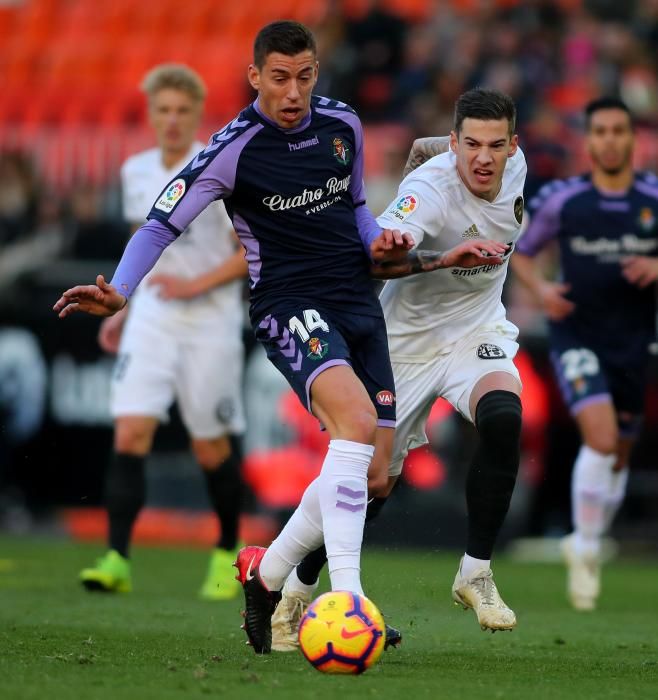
(286, 37)
(481, 103)
(605, 103)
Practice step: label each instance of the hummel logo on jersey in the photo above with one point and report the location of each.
(471, 232)
(303, 144)
(488, 351)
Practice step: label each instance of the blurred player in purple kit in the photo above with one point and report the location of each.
(602, 320)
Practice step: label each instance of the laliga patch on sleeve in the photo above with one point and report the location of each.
(404, 206)
(169, 198)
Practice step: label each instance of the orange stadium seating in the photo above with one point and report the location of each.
(71, 68)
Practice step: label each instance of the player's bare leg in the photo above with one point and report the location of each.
(332, 508)
(299, 589)
(496, 408)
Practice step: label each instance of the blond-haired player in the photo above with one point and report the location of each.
(183, 323)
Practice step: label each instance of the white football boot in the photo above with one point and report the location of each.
(583, 576)
(286, 619)
(479, 592)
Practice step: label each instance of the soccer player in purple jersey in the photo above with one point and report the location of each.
(290, 171)
(601, 315)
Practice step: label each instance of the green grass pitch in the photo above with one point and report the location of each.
(59, 642)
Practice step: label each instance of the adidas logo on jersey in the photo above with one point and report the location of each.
(471, 232)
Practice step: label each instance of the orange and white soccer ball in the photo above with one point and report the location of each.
(342, 632)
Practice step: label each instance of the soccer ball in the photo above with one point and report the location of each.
(342, 632)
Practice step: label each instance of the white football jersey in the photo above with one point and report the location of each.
(204, 245)
(429, 312)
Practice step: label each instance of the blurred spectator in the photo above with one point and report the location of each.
(377, 41)
(44, 238)
(94, 235)
(18, 196)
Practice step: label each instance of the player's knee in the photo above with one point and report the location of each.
(605, 442)
(358, 425)
(210, 454)
(132, 440)
(498, 419)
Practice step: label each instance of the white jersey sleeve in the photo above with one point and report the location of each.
(419, 209)
(132, 199)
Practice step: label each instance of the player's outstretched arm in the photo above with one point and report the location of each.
(468, 254)
(424, 149)
(100, 299)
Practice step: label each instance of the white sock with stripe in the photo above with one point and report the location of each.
(343, 495)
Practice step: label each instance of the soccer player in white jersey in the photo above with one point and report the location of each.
(189, 309)
(449, 337)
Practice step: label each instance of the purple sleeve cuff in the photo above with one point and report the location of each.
(141, 253)
(368, 227)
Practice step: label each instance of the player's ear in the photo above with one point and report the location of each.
(514, 144)
(453, 141)
(253, 76)
(316, 72)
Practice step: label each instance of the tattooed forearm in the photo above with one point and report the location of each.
(416, 261)
(424, 149)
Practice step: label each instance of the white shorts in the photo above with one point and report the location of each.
(452, 377)
(160, 361)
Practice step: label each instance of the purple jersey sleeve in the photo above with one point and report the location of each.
(545, 213)
(368, 227)
(210, 176)
(141, 253)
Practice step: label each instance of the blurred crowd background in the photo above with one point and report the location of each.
(71, 112)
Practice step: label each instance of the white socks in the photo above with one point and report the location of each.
(615, 497)
(591, 484)
(471, 565)
(343, 491)
(301, 535)
(293, 584)
(332, 509)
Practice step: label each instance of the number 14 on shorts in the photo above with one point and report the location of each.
(312, 320)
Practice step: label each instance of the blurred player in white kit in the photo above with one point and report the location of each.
(179, 339)
(449, 338)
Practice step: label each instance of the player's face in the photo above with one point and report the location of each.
(610, 140)
(482, 149)
(175, 116)
(284, 85)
